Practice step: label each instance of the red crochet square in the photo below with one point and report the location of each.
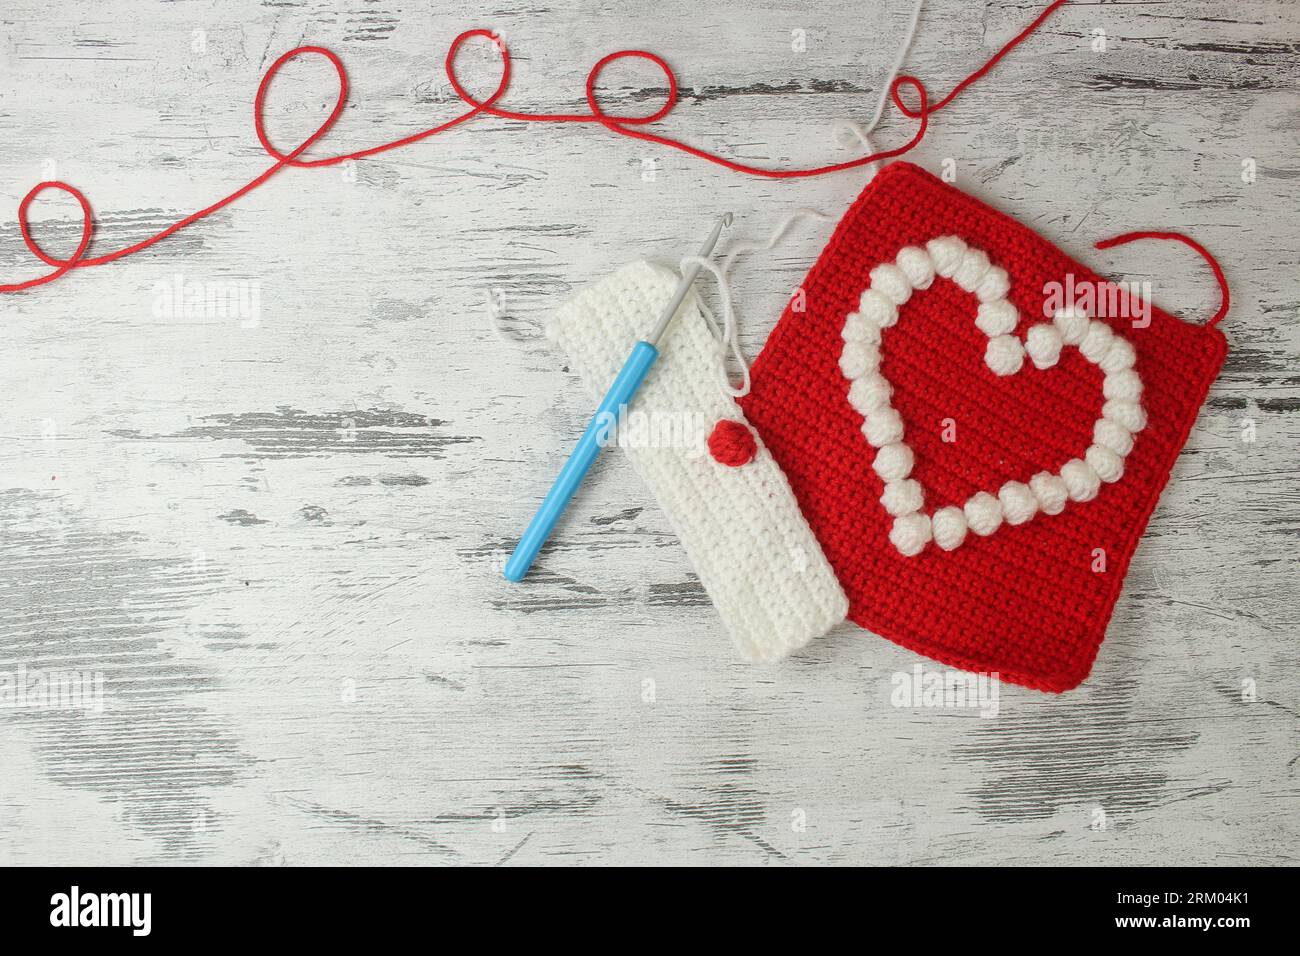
(1028, 601)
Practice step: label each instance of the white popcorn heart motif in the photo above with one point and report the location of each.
(1080, 479)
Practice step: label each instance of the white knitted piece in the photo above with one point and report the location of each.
(741, 527)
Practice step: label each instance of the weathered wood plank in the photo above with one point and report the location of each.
(278, 536)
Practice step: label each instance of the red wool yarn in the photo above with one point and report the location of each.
(731, 443)
(629, 126)
(1031, 599)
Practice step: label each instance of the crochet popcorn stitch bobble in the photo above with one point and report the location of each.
(726, 497)
(977, 461)
(933, 444)
(891, 284)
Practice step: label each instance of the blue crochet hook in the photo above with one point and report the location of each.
(620, 394)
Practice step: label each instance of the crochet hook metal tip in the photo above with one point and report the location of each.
(688, 279)
(602, 424)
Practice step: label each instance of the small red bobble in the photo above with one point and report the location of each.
(731, 443)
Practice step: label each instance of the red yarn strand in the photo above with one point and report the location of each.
(989, 64)
(621, 125)
(1224, 295)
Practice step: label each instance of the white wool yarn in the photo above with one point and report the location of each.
(910, 533)
(994, 286)
(902, 497)
(1050, 491)
(947, 253)
(1123, 385)
(1043, 343)
(892, 282)
(893, 462)
(1019, 503)
(858, 358)
(949, 528)
(876, 307)
(1127, 414)
(1004, 355)
(1081, 481)
(1096, 341)
(858, 329)
(974, 264)
(917, 266)
(870, 392)
(882, 426)
(1072, 324)
(1108, 465)
(1118, 357)
(983, 513)
(1110, 434)
(997, 318)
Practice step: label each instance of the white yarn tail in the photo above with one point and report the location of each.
(728, 335)
(863, 134)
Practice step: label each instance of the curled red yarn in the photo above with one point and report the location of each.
(630, 126)
(732, 443)
(923, 109)
(1224, 294)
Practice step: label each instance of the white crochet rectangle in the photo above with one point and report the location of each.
(741, 526)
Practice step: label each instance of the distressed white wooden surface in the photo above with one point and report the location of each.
(281, 544)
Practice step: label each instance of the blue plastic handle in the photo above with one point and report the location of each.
(598, 433)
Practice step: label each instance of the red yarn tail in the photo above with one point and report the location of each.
(1224, 295)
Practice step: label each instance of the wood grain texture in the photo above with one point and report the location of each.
(280, 541)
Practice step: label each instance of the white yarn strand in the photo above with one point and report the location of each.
(728, 334)
(728, 337)
(864, 134)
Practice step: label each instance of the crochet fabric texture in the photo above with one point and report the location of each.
(977, 458)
